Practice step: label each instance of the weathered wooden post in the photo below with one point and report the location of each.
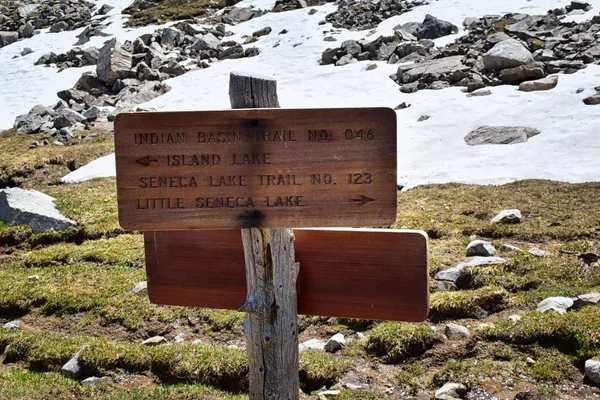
(271, 328)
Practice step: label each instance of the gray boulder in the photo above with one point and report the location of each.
(453, 274)
(527, 72)
(558, 304)
(13, 325)
(66, 117)
(29, 123)
(233, 52)
(335, 343)
(508, 217)
(32, 208)
(592, 371)
(8, 37)
(480, 248)
(500, 135)
(508, 248)
(592, 100)
(73, 368)
(88, 81)
(26, 30)
(547, 83)
(412, 72)
(94, 381)
(451, 391)
(170, 38)
(507, 54)
(588, 299)
(262, 32)
(105, 9)
(154, 341)
(207, 42)
(433, 28)
(312, 344)
(236, 15)
(454, 331)
(114, 62)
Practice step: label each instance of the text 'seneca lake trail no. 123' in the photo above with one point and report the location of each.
(256, 168)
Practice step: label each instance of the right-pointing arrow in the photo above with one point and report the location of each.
(146, 161)
(363, 200)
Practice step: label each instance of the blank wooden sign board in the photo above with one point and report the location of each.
(354, 273)
(256, 168)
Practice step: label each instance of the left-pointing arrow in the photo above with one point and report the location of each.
(146, 161)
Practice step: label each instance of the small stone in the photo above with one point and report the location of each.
(33, 278)
(328, 394)
(371, 67)
(180, 338)
(508, 217)
(312, 344)
(360, 336)
(336, 343)
(73, 369)
(558, 304)
(592, 371)
(94, 381)
(451, 391)
(423, 118)
(402, 106)
(547, 83)
(26, 51)
(592, 100)
(154, 341)
(538, 252)
(353, 386)
(140, 286)
(345, 60)
(480, 248)
(13, 325)
(514, 318)
(507, 248)
(456, 332)
(329, 39)
(588, 299)
(530, 361)
(262, 32)
(480, 93)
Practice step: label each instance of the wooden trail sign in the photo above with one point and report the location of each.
(354, 273)
(256, 168)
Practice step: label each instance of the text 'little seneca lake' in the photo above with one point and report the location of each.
(313, 135)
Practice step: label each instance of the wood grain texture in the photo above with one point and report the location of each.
(377, 274)
(263, 168)
(271, 328)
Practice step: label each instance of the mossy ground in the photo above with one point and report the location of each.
(75, 287)
(172, 10)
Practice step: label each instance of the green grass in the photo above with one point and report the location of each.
(172, 10)
(468, 303)
(318, 369)
(398, 341)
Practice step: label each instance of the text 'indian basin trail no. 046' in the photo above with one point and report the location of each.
(256, 168)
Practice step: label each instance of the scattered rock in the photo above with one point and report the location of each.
(73, 368)
(262, 32)
(368, 15)
(592, 371)
(312, 344)
(456, 332)
(233, 52)
(508, 217)
(514, 318)
(480, 248)
(423, 118)
(335, 343)
(32, 208)
(105, 9)
(7, 38)
(402, 106)
(95, 381)
(451, 391)
(455, 273)
(507, 54)
(66, 117)
(538, 252)
(547, 83)
(154, 341)
(180, 338)
(507, 248)
(558, 304)
(13, 325)
(587, 299)
(328, 394)
(114, 62)
(140, 287)
(33, 278)
(479, 93)
(588, 257)
(592, 100)
(433, 28)
(500, 135)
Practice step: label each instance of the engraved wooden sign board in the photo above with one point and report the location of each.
(256, 168)
(353, 273)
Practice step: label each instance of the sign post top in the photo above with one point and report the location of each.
(256, 168)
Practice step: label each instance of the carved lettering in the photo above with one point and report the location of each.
(274, 136)
(227, 180)
(159, 203)
(251, 158)
(194, 160)
(319, 179)
(167, 182)
(224, 202)
(159, 138)
(219, 137)
(278, 180)
(285, 201)
(319, 135)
